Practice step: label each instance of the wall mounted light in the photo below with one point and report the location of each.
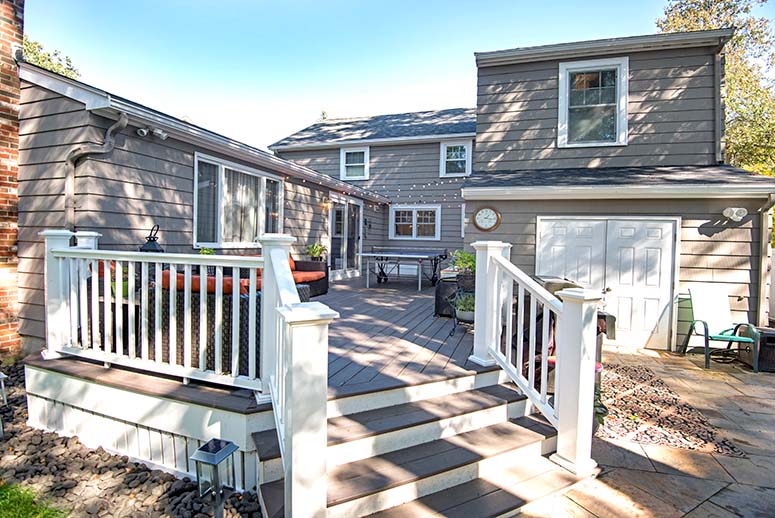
(327, 204)
(735, 213)
(143, 132)
(160, 134)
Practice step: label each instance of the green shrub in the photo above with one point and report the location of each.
(17, 502)
(465, 302)
(206, 251)
(464, 261)
(316, 250)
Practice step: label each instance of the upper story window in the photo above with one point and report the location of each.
(234, 204)
(455, 158)
(415, 222)
(592, 107)
(354, 163)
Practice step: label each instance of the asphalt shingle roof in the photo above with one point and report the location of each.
(619, 176)
(415, 124)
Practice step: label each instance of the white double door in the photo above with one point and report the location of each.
(629, 260)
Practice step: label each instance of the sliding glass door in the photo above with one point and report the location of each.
(346, 220)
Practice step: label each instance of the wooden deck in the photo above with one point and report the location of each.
(388, 336)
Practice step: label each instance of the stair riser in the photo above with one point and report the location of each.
(407, 492)
(404, 438)
(270, 470)
(399, 396)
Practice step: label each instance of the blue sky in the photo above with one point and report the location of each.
(258, 71)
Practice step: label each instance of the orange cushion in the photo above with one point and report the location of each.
(292, 263)
(101, 268)
(181, 280)
(301, 277)
(245, 285)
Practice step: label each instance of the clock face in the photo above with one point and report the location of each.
(486, 219)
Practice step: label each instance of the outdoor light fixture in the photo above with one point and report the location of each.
(215, 470)
(327, 204)
(735, 213)
(152, 242)
(160, 134)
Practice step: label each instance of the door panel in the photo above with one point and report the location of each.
(573, 250)
(638, 282)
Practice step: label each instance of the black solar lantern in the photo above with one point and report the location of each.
(215, 470)
(152, 242)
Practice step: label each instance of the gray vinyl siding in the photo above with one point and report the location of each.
(710, 252)
(122, 194)
(671, 115)
(408, 174)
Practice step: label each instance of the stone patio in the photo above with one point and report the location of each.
(659, 481)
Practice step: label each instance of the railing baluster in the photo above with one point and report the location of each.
(95, 305)
(106, 304)
(118, 294)
(509, 319)
(187, 315)
(532, 343)
(144, 310)
(498, 346)
(173, 358)
(235, 337)
(218, 317)
(83, 303)
(544, 352)
(157, 327)
(131, 335)
(519, 360)
(203, 317)
(252, 325)
(73, 294)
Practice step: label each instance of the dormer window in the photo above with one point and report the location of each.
(354, 163)
(592, 107)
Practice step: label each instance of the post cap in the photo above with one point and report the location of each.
(276, 239)
(579, 295)
(490, 245)
(87, 233)
(304, 312)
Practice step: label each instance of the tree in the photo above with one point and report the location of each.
(35, 53)
(749, 93)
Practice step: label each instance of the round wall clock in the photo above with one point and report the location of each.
(487, 219)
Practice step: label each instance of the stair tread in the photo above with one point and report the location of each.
(505, 491)
(372, 475)
(359, 425)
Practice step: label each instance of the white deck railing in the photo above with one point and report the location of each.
(520, 326)
(141, 310)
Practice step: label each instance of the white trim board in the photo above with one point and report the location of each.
(627, 192)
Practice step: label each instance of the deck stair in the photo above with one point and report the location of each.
(441, 456)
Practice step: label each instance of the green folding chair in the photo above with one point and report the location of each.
(713, 321)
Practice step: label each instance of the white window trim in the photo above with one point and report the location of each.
(222, 165)
(342, 153)
(443, 158)
(622, 64)
(414, 209)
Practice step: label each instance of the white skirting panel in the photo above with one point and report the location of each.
(168, 449)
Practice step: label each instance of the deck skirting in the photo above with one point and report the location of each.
(149, 429)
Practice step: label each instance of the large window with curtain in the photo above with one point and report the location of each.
(233, 204)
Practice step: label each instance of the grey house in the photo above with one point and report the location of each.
(417, 160)
(604, 162)
(202, 189)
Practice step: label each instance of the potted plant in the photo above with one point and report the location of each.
(601, 411)
(208, 251)
(465, 264)
(464, 307)
(315, 251)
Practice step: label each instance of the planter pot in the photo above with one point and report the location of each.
(466, 281)
(464, 316)
(316, 259)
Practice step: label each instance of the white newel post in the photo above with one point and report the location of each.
(56, 300)
(86, 239)
(275, 249)
(576, 345)
(486, 303)
(306, 390)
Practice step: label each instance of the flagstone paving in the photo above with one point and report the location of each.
(646, 480)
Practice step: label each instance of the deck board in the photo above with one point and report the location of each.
(388, 334)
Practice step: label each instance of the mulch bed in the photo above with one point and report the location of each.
(93, 482)
(644, 410)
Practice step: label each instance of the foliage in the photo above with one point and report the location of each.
(35, 53)
(17, 502)
(465, 302)
(206, 251)
(749, 91)
(465, 262)
(601, 411)
(316, 250)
